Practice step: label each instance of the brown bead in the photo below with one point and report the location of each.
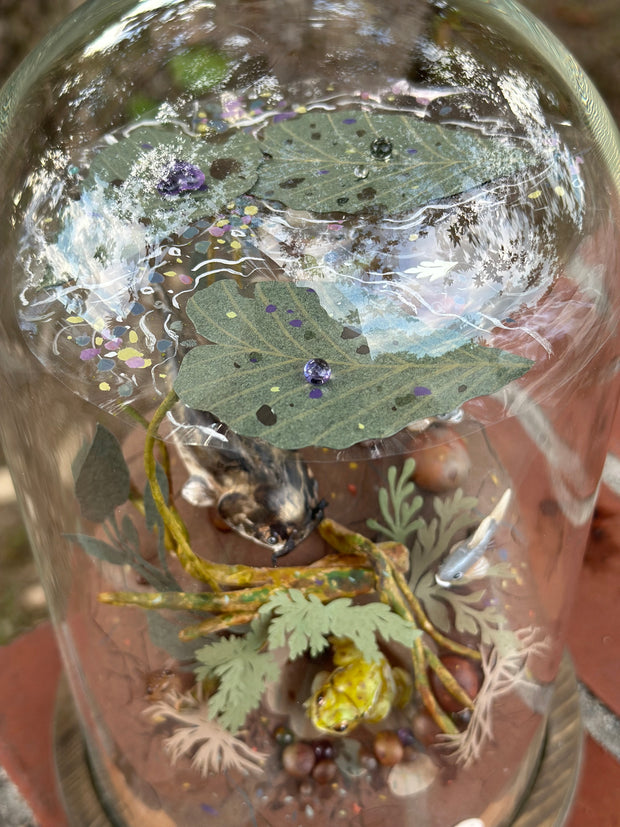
(298, 759)
(424, 728)
(388, 748)
(466, 675)
(325, 771)
(442, 460)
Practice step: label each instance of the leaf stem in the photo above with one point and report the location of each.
(193, 565)
(393, 590)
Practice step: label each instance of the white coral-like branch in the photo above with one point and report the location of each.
(502, 674)
(216, 749)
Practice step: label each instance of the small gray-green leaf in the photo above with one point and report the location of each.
(252, 377)
(99, 549)
(324, 161)
(102, 482)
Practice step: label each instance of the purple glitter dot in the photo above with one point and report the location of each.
(89, 353)
(283, 116)
(295, 323)
(317, 372)
(271, 308)
(181, 176)
(315, 393)
(349, 120)
(420, 391)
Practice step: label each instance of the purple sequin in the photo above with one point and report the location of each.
(420, 391)
(317, 372)
(181, 176)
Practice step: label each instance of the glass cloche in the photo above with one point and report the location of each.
(308, 335)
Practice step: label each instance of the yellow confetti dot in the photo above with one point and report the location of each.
(361, 427)
(560, 191)
(236, 245)
(231, 314)
(222, 223)
(170, 273)
(98, 341)
(301, 110)
(535, 194)
(275, 389)
(202, 114)
(129, 353)
(99, 325)
(69, 338)
(250, 210)
(75, 319)
(221, 241)
(413, 237)
(103, 386)
(163, 375)
(133, 337)
(179, 261)
(353, 466)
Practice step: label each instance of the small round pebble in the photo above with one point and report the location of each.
(388, 748)
(424, 728)
(467, 676)
(298, 759)
(442, 460)
(325, 771)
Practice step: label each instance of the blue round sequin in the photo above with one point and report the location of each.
(317, 371)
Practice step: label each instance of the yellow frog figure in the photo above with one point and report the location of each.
(357, 691)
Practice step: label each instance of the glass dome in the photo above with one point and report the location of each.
(309, 341)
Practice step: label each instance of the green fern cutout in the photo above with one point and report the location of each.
(243, 664)
(304, 623)
(398, 505)
(243, 671)
(449, 609)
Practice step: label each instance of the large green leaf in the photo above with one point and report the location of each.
(252, 377)
(139, 161)
(323, 161)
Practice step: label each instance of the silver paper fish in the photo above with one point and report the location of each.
(466, 558)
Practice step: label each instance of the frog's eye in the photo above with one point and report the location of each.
(458, 575)
(320, 699)
(273, 538)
